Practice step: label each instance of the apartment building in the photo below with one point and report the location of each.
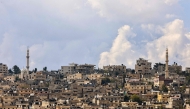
(159, 67)
(163, 97)
(175, 68)
(187, 69)
(115, 68)
(75, 76)
(3, 68)
(142, 66)
(94, 76)
(74, 68)
(138, 87)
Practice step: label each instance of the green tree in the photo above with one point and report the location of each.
(17, 79)
(126, 98)
(164, 88)
(136, 98)
(61, 76)
(10, 71)
(35, 70)
(105, 81)
(182, 89)
(133, 71)
(116, 73)
(45, 69)
(16, 69)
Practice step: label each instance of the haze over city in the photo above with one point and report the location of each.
(108, 32)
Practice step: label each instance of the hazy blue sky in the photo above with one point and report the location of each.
(99, 32)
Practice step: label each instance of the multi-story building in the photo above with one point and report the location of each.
(187, 69)
(40, 75)
(94, 76)
(138, 87)
(3, 68)
(159, 68)
(163, 97)
(75, 76)
(129, 105)
(115, 68)
(74, 68)
(174, 68)
(142, 66)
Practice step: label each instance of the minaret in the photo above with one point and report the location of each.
(166, 70)
(27, 61)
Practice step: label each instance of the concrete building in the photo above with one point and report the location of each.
(74, 68)
(159, 67)
(129, 105)
(137, 87)
(115, 68)
(94, 76)
(3, 68)
(10, 78)
(187, 69)
(75, 76)
(174, 68)
(163, 97)
(142, 66)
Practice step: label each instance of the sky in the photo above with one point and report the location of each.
(99, 32)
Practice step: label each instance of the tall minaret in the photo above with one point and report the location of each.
(166, 70)
(27, 61)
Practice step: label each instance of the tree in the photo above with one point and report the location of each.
(182, 89)
(61, 76)
(164, 88)
(105, 81)
(35, 70)
(17, 79)
(126, 98)
(45, 69)
(136, 98)
(133, 71)
(116, 73)
(10, 71)
(16, 69)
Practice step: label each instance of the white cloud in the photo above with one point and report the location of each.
(9, 48)
(6, 48)
(58, 9)
(121, 49)
(174, 38)
(135, 10)
(188, 35)
(171, 2)
(148, 27)
(169, 16)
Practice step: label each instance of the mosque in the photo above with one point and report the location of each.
(24, 75)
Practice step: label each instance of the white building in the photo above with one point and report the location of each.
(24, 74)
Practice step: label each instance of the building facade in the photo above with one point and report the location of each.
(175, 68)
(115, 68)
(142, 66)
(3, 68)
(187, 69)
(74, 68)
